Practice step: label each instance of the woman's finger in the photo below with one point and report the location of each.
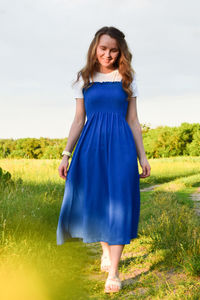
(144, 170)
(60, 170)
(147, 170)
(65, 171)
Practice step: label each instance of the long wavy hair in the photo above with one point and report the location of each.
(123, 61)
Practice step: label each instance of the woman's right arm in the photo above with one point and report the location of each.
(74, 133)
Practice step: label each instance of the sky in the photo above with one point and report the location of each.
(43, 44)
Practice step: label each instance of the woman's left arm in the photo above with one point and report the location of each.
(132, 119)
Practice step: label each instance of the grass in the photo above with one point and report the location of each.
(162, 263)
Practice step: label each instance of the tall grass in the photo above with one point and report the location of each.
(175, 228)
(36, 268)
(29, 213)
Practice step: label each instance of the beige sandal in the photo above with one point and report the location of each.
(105, 263)
(115, 281)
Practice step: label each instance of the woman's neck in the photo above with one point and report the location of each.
(106, 70)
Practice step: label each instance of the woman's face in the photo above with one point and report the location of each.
(107, 51)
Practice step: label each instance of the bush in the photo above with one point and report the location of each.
(163, 141)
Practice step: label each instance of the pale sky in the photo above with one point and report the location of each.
(43, 44)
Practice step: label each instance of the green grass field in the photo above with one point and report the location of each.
(162, 263)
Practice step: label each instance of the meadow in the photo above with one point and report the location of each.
(162, 263)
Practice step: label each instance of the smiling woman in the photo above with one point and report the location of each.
(101, 201)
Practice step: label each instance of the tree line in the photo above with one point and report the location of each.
(162, 141)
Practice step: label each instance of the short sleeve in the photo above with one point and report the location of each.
(78, 88)
(134, 87)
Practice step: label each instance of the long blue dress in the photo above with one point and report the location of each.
(102, 197)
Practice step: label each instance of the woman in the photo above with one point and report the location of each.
(101, 201)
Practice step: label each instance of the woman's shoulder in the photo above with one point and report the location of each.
(77, 87)
(133, 85)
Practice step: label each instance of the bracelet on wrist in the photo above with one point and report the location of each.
(67, 153)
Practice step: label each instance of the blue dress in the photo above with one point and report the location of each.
(102, 196)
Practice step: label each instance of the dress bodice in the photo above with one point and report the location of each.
(105, 94)
(105, 97)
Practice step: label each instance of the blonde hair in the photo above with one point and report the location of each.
(123, 61)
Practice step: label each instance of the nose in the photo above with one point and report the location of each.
(107, 54)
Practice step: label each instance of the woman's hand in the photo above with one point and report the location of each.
(63, 167)
(145, 167)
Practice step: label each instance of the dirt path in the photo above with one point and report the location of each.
(196, 198)
(150, 188)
